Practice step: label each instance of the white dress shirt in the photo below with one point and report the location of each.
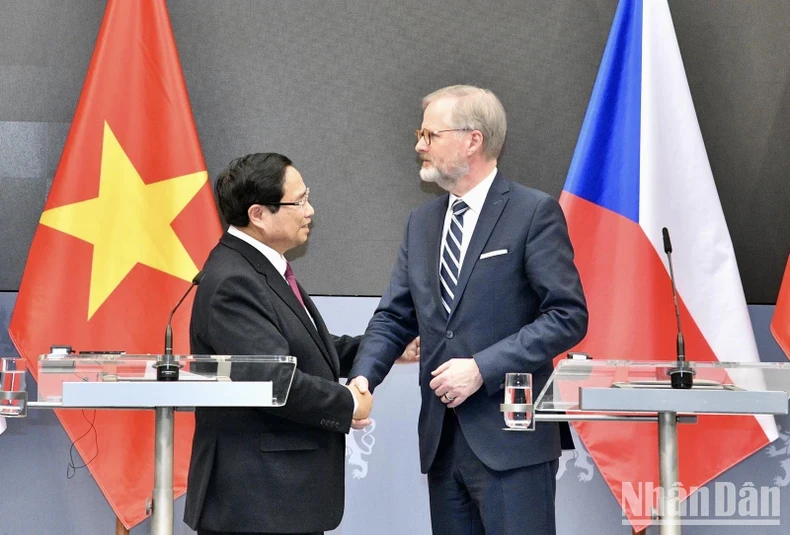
(278, 261)
(475, 198)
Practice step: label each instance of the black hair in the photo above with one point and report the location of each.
(252, 179)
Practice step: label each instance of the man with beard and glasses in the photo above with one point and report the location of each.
(485, 275)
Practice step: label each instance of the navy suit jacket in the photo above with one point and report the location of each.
(513, 312)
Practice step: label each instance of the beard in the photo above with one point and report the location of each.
(446, 178)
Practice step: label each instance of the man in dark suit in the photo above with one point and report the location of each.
(269, 470)
(486, 276)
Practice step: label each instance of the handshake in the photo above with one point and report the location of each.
(364, 402)
(359, 387)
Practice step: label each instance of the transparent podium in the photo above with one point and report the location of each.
(163, 383)
(619, 390)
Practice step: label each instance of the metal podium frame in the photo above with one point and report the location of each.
(625, 390)
(120, 381)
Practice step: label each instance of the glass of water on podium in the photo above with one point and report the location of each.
(518, 400)
(13, 396)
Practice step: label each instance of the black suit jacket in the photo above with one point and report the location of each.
(518, 304)
(267, 469)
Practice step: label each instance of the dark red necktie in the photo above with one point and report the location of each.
(289, 277)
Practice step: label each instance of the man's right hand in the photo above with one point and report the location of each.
(364, 401)
(361, 382)
(359, 385)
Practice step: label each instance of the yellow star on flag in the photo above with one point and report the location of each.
(128, 223)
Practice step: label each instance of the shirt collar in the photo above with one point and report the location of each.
(476, 197)
(278, 261)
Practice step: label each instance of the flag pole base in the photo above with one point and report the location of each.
(120, 529)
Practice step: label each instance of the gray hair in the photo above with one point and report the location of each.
(475, 109)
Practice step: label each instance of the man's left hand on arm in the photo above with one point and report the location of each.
(455, 380)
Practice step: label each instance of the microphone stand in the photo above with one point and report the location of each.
(167, 366)
(681, 376)
(160, 505)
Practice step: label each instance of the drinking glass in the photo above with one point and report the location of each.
(518, 391)
(12, 387)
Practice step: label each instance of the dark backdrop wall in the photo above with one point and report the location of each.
(336, 85)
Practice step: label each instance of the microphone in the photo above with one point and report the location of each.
(167, 368)
(681, 376)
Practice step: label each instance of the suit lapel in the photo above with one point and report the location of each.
(278, 285)
(434, 242)
(323, 332)
(492, 208)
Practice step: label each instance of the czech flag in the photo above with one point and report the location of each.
(780, 325)
(640, 165)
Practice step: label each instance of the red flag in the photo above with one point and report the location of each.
(780, 324)
(129, 219)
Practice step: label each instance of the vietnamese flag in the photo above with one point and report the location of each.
(780, 324)
(129, 220)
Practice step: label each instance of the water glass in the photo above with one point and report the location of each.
(12, 387)
(518, 391)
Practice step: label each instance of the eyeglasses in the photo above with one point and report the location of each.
(300, 203)
(427, 135)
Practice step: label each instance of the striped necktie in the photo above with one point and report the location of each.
(450, 264)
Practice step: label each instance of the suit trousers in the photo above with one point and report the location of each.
(468, 498)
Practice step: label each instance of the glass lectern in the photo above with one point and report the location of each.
(616, 390)
(119, 381)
